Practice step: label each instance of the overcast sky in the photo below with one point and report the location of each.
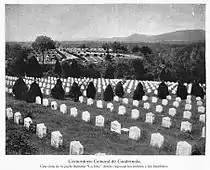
(72, 22)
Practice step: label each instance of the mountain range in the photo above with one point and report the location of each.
(176, 36)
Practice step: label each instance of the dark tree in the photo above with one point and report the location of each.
(20, 89)
(91, 91)
(34, 69)
(139, 69)
(58, 68)
(33, 92)
(136, 49)
(181, 91)
(139, 92)
(57, 91)
(108, 93)
(146, 50)
(109, 73)
(42, 44)
(75, 92)
(163, 90)
(119, 91)
(197, 90)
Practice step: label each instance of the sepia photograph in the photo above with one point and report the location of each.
(105, 79)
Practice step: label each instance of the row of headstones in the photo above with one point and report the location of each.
(76, 148)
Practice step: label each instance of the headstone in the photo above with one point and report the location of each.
(176, 104)
(189, 97)
(188, 106)
(89, 101)
(147, 105)
(110, 106)
(9, 113)
(156, 92)
(203, 135)
(45, 102)
(168, 97)
(145, 98)
(81, 99)
(164, 102)
(41, 130)
(154, 99)
(198, 98)
(27, 122)
(56, 139)
(134, 114)
(166, 122)
(157, 140)
(76, 148)
(135, 103)
(188, 101)
(84, 93)
(187, 114)
(159, 109)
(99, 121)
(121, 110)
(186, 126)
(54, 105)
(116, 126)
(201, 109)
(116, 98)
(202, 118)
(172, 111)
(73, 111)
(125, 101)
(47, 92)
(63, 108)
(38, 100)
(150, 117)
(17, 117)
(183, 148)
(178, 99)
(199, 103)
(86, 116)
(99, 104)
(134, 133)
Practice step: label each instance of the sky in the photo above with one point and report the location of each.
(80, 21)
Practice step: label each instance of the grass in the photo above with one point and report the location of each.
(97, 139)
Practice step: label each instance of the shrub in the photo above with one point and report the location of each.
(57, 91)
(119, 90)
(91, 90)
(75, 92)
(139, 92)
(33, 93)
(108, 93)
(20, 89)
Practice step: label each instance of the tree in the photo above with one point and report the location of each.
(139, 69)
(108, 93)
(42, 44)
(33, 68)
(139, 92)
(136, 49)
(119, 91)
(58, 68)
(91, 90)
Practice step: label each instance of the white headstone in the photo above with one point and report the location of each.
(198, 98)
(17, 117)
(125, 101)
(110, 106)
(73, 111)
(116, 126)
(27, 122)
(202, 118)
(187, 114)
(188, 106)
(166, 122)
(84, 93)
(203, 132)
(121, 110)
(38, 100)
(99, 121)
(134, 133)
(176, 104)
(56, 139)
(116, 98)
(54, 105)
(172, 111)
(157, 140)
(186, 126)
(199, 103)
(45, 102)
(134, 114)
(99, 104)
(89, 101)
(168, 97)
(150, 117)
(159, 109)
(178, 99)
(188, 101)
(183, 148)
(41, 130)
(154, 99)
(145, 98)
(201, 109)
(76, 148)
(63, 108)
(9, 113)
(147, 105)
(81, 99)
(189, 97)
(135, 103)
(164, 102)
(47, 92)
(86, 116)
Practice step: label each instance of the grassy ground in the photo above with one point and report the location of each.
(95, 139)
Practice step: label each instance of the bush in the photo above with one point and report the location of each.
(119, 91)
(33, 93)
(34, 69)
(75, 92)
(57, 91)
(20, 89)
(139, 92)
(163, 90)
(91, 91)
(108, 93)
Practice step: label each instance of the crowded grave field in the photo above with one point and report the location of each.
(104, 116)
